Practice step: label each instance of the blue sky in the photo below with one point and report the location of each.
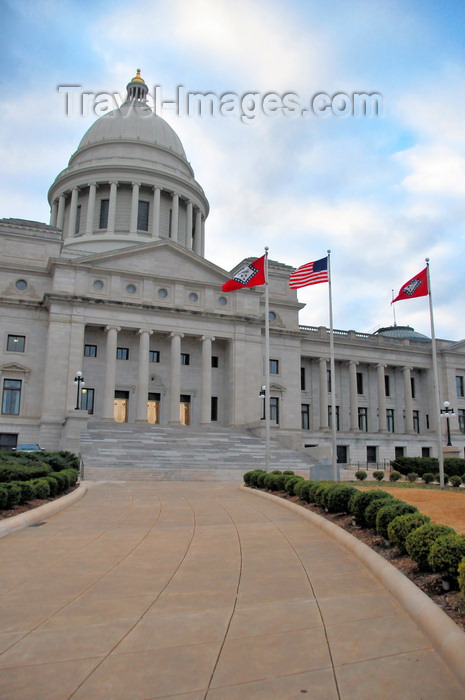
(382, 192)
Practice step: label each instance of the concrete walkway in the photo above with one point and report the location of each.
(200, 590)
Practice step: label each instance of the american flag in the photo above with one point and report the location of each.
(310, 273)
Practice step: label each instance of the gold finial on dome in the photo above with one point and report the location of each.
(137, 77)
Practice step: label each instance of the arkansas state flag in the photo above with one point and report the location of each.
(416, 287)
(250, 275)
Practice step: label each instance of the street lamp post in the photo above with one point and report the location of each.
(79, 381)
(447, 413)
(262, 395)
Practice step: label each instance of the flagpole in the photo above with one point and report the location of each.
(267, 367)
(437, 401)
(333, 375)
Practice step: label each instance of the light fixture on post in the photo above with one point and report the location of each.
(262, 395)
(447, 413)
(79, 380)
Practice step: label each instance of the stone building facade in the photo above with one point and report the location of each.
(117, 286)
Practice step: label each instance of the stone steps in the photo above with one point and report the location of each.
(124, 452)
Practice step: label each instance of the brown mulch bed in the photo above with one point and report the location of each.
(451, 602)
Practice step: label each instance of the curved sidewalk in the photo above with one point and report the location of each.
(201, 590)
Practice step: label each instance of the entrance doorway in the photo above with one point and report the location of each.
(185, 409)
(153, 408)
(121, 405)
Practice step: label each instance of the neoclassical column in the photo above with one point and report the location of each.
(353, 395)
(91, 207)
(198, 233)
(175, 376)
(189, 220)
(110, 372)
(143, 375)
(206, 395)
(54, 213)
(408, 400)
(382, 428)
(202, 244)
(175, 217)
(134, 207)
(112, 207)
(156, 213)
(72, 212)
(323, 393)
(61, 211)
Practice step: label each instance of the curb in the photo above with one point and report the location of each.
(444, 634)
(18, 522)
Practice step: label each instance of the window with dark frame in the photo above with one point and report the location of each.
(459, 385)
(305, 412)
(78, 220)
(185, 358)
(90, 350)
(143, 216)
(215, 361)
(363, 419)
(154, 356)
(416, 421)
(214, 409)
(390, 420)
(16, 343)
(359, 383)
(412, 386)
(461, 415)
(11, 397)
(87, 400)
(104, 209)
(274, 366)
(122, 353)
(330, 417)
(302, 379)
(387, 385)
(328, 380)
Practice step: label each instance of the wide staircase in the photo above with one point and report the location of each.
(122, 452)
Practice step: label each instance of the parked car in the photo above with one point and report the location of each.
(27, 447)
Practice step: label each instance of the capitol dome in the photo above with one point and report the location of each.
(402, 332)
(129, 181)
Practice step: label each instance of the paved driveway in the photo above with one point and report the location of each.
(200, 590)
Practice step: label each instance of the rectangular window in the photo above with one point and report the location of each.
(387, 385)
(122, 353)
(16, 343)
(215, 361)
(154, 356)
(11, 398)
(330, 417)
(87, 400)
(302, 378)
(143, 216)
(274, 366)
(359, 383)
(274, 409)
(459, 385)
(363, 419)
(169, 223)
(372, 454)
(427, 421)
(328, 380)
(90, 351)
(185, 358)
(412, 386)
(461, 414)
(390, 420)
(78, 220)
(104, 209)
(416, 421)
(8, 440)
(399, 451)
(426, 451)
(305, 412)
(214, 412)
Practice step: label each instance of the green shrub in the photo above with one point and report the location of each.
(288, 472)
(390, 511)
(71, 474)
(290, 483)
(308, 492)
(247, 477)
(455, 480)
(61, 459)
(28, 491)
(395, 476)
(402, 525)
(428, 477)
(360, 500)
(378, 475)
(253, 477)
(14, 494)
(361, 475)
(461, 577)
(322, 494)
(274, 482)
(371, 511)
(338, 498)
(418, 543)
(260, 479)
(42, 488)
(446, 553)
(15, 471)
(299, 488)
(53, 485)
(437, 477)
(420, 465)
(3, 496)
(412, 477)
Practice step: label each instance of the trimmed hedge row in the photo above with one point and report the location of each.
(433, 547)
(15, 493)
(421, 465)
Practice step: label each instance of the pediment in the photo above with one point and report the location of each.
(14, 367)
(161, 259)
(458, 346)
